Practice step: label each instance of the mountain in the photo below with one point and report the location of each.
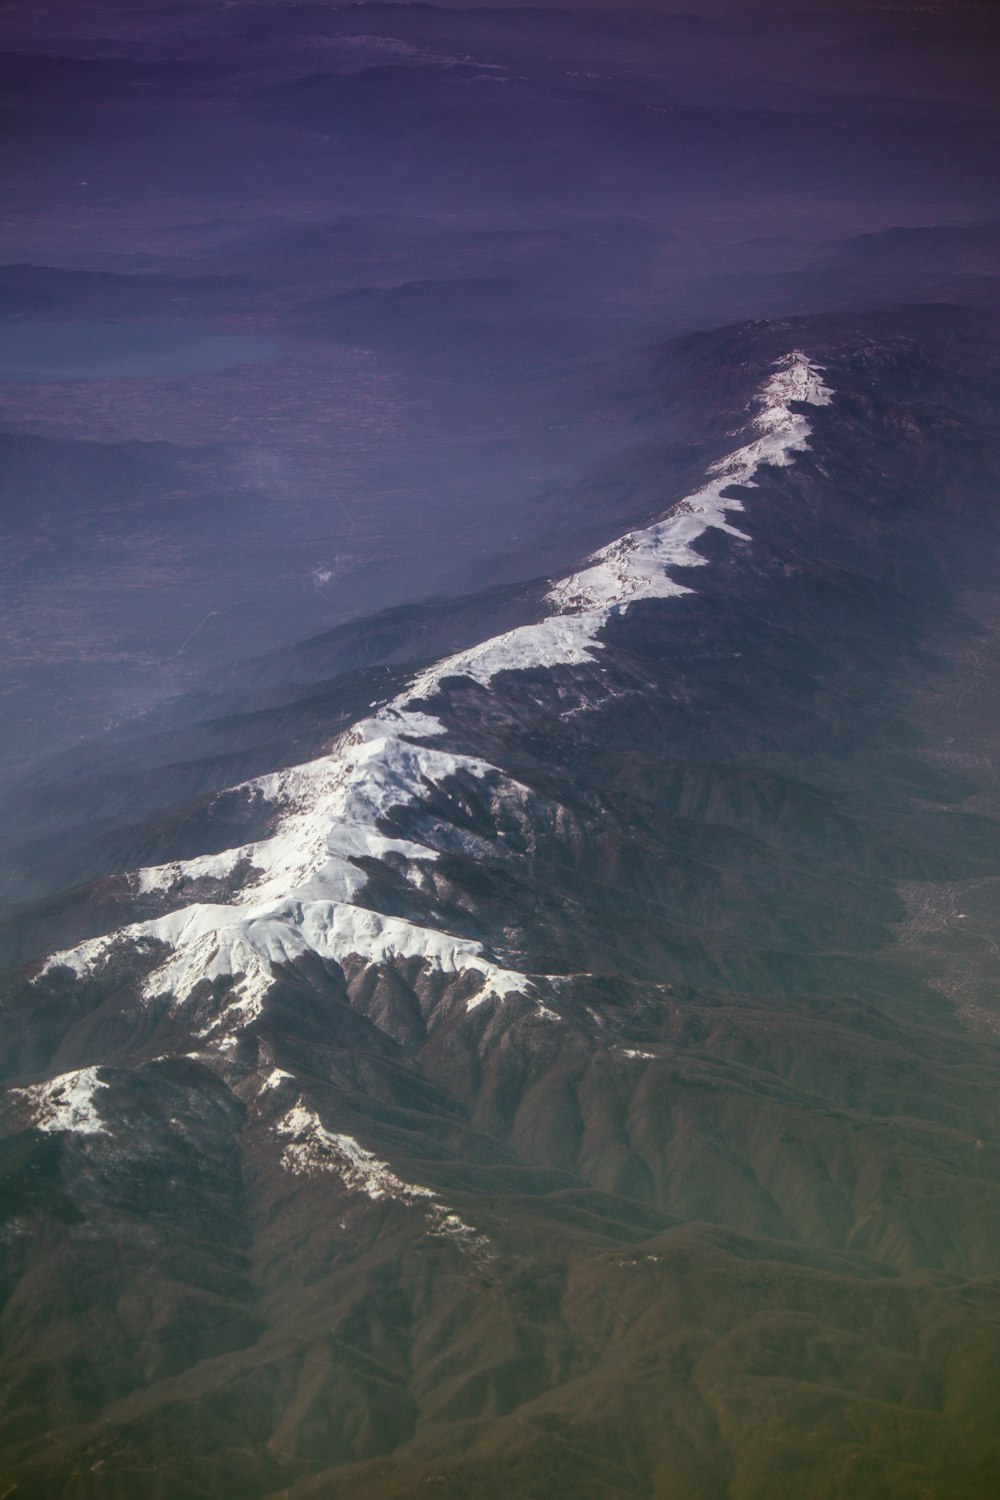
(576, 1073)
(499, 875)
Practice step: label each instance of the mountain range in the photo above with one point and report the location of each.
(583, 1079)
(499, 859)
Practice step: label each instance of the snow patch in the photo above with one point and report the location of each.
(544, 1013)
(445, 1224)
(83, 959)
(275, 1079)
(313, 1149)
(66, 1102)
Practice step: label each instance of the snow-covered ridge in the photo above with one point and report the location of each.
(305, 890)
(301, 895)
(636, 565)
(65, 1102)
(311, 1149)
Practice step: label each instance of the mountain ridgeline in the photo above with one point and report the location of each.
(559, 1056)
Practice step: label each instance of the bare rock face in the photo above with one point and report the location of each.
(580, 1077)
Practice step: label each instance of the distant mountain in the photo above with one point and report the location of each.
(952, 265)
(578, 1075)
(28, 291)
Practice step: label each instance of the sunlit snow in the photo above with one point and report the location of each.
(66, 1102)
(311, 1149)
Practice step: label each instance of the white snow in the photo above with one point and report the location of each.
(275, 1079)
(637, 565)
(445, 1224)
(306, 884)
(545, 1013)
(313, 1149)
(557, 641)
(66, 1102)
(305, 878)
(332, 807)
(84, 958)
